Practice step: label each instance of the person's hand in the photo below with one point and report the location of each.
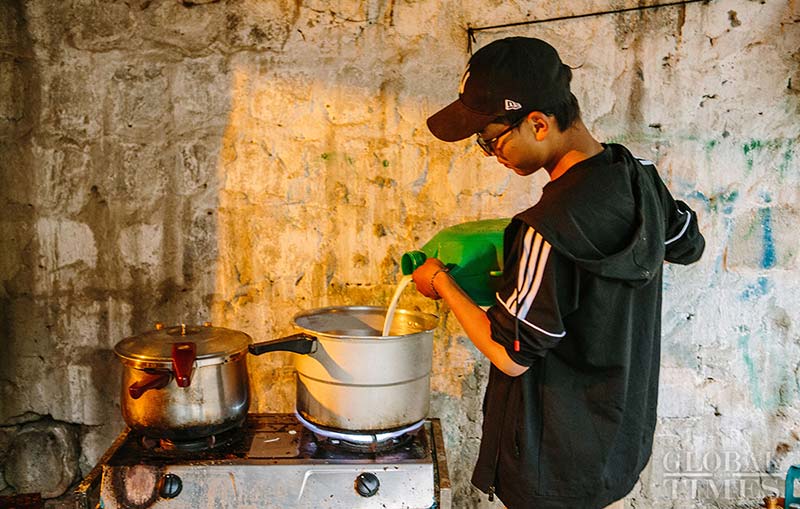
(424, 276)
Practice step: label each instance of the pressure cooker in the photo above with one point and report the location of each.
(184, 382)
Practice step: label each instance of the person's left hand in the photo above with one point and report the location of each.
(423, 277)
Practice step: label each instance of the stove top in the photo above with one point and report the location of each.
(272, 461)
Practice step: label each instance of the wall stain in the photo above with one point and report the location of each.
(734, 19)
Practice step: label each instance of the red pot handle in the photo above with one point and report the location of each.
(183, 356)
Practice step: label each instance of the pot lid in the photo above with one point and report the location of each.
(211, 343)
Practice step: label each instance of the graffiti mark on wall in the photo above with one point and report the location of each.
(764, 155)
(758, 289)
(783, 148)
(752, 372)
(769, 380)
(768, 256)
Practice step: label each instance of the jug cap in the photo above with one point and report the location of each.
(411, 260)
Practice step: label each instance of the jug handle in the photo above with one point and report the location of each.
(301, 343)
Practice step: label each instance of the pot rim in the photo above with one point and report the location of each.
(430, 322)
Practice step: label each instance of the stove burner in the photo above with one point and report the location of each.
(361, 442)
(334, 445)
(208, 443)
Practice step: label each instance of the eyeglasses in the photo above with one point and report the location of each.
(488, 145)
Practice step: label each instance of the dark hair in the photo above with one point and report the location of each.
(566, 111)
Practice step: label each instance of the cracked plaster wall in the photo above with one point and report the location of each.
(241, 161)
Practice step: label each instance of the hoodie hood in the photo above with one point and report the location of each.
(612, 224)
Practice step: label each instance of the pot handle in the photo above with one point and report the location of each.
(157, 380)
(301, 343)
(183, 356)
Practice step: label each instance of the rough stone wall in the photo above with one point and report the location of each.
(240, 161)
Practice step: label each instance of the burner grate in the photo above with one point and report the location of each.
(362, 442)
(199, 444)
(334, 445)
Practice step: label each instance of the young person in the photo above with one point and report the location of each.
(574, 336)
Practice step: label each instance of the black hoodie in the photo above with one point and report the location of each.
(580, 303)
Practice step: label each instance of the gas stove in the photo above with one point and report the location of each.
(274, 461)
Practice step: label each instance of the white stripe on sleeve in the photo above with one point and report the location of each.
(524, 261)
(537, 280)
(529, 324)
(524, 279)
(532, 263)
(683, 230)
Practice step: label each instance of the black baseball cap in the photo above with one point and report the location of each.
(507, 78)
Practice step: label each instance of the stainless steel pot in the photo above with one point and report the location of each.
(349, 377)
(184, 382)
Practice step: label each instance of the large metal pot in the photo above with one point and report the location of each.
(184, 382)
(352, 378)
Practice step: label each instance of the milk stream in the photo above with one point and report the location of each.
(387, 322)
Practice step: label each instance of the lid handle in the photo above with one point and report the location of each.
(183, 357)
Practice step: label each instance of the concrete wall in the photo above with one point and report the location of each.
(239, 161)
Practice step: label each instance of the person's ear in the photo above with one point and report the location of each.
(539, 124)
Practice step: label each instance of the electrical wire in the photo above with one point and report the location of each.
(471, 30)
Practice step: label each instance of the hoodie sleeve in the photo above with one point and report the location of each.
(683, 242)
(537, 289)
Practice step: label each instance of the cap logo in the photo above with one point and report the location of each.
(512, 105)
(463, 83)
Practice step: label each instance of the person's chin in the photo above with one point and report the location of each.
(519, 171)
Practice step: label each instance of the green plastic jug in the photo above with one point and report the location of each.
(474, 253)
